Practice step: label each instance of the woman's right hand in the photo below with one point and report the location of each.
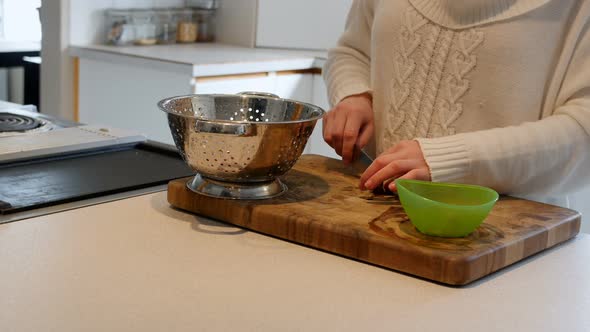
(349, 126)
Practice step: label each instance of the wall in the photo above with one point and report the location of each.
(56, 69)
(306, 24)
(21, 21)
(236, 22)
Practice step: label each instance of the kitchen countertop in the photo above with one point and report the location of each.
(210, 59)
(137, 264)
(6, 104)
(19, 46)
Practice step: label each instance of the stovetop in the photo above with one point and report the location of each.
(10, 122)
(63, 141)
(49, 165)
(25, 135)
(15, 121)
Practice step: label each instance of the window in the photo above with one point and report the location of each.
(1, 20)
(19, 20)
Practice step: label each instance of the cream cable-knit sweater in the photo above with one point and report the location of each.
(497, 92)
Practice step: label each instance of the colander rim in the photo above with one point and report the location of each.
(169, 99)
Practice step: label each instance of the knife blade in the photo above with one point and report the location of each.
(383, 189)
(365, 158)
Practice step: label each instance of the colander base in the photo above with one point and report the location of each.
(232, 190)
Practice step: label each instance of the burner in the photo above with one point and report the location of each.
(10, 122)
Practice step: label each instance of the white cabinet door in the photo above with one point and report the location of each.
(125, 96)
(232, 84)
(295, 86)
(307, 24)
(285, 85)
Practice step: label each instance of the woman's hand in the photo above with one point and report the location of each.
(405, 161)
(348, 127)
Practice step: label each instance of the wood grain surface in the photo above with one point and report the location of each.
(324, 209)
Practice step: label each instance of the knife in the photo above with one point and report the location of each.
(383, 189)
(365, 158)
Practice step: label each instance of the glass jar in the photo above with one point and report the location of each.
(143, 21)
(206, 25)
(119, 27)
(202, 4)
(165, 26)
(186, 26)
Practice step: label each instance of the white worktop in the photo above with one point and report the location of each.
(210, 59)
(139, 265)
(6, 104)
(7, 46)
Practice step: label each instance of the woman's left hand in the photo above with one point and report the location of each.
(405, 161)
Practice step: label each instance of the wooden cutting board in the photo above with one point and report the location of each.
(324, 209)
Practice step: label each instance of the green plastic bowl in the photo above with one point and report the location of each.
(445, 209)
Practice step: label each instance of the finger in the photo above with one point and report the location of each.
(393, 170)
(415, 174)
(349, 138)
(375, 166)
(365, 135)
(326, 129)
(379, 163)
(337, 126)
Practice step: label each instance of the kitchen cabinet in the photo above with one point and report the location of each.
(124, 96)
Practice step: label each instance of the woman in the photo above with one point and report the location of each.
(493, 92)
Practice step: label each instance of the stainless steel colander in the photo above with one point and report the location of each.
(239, 144)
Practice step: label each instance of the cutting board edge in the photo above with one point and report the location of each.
(246, 210)
(458, 280)
(566, 230)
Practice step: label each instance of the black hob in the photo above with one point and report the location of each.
(39, 183)
(47, 183)
(12, 122)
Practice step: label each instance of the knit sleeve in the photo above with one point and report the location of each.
(546, 157)
(347, 70)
